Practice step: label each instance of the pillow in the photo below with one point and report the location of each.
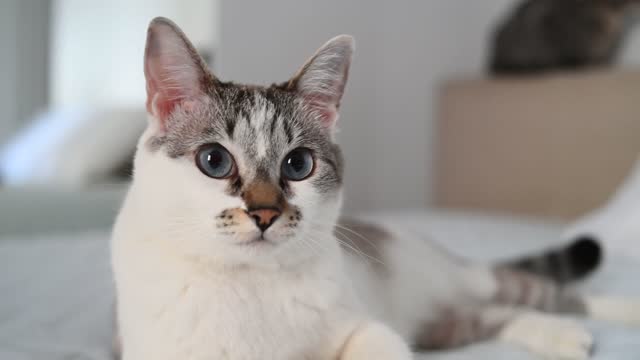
(47, 211)
(71, 147)
(617, 223)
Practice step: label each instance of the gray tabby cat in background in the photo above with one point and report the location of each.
(227, 245)
(543, 35)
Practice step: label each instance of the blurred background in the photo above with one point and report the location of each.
(455, 104)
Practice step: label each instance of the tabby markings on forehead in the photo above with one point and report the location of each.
(265, 123)
(261, 116)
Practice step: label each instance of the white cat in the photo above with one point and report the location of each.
(227, 245)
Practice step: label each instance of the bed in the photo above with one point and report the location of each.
(57, 291)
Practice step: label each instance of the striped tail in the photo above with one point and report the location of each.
(564, 264)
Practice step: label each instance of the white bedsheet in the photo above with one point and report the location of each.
(57, 294)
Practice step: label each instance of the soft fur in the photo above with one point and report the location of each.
(198, 279)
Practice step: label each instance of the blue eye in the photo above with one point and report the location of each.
(215, 161)
(298, 165)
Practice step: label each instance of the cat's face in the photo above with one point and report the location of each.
(241, 173)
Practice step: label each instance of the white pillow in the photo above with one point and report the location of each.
(617, 224)
(71, 147)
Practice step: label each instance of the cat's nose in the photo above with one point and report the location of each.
(264, 217)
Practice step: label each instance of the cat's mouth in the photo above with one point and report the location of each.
(261, 227)
(258, 240)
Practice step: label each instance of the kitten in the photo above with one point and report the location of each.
(543, 35)
(225, 247)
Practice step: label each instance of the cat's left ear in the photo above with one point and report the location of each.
(174, 71)
(322, 79)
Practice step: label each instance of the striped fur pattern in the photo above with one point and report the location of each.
(253, 264)
(264, 123)
(517, 288)
(533, 282)
(563, 265)
(517, 292)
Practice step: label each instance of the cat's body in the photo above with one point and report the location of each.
(286, 311)
(227, 245)
(544, 35)
(191, 310)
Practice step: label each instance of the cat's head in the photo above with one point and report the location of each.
(239, 172)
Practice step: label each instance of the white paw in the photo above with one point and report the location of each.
(549, 336)
(375, 342)
(614, 309)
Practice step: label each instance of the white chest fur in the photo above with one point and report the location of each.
(170, 308)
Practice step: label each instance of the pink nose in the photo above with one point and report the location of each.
(264, 217)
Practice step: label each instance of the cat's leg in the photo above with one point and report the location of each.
(498, 306)
(523, 289)
(374, 341)
(547, 335)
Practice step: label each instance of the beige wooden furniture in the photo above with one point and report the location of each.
(553, 146)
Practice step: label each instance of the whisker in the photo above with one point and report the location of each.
(357, 251)
(362, 254)
(368, 241)
(310, 246)
(351, 244)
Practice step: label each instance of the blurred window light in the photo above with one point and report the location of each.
(97, 47)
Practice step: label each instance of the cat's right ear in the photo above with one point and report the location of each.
(174, 71)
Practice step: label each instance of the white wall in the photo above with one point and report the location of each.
(404, 50)
(97, 46)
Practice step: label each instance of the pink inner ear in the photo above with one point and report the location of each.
(172, 70)
(161, 105)
(164, 96)
(323, 109)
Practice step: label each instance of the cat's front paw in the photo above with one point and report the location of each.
(614, 309)
(375, 341)
(549, 336)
